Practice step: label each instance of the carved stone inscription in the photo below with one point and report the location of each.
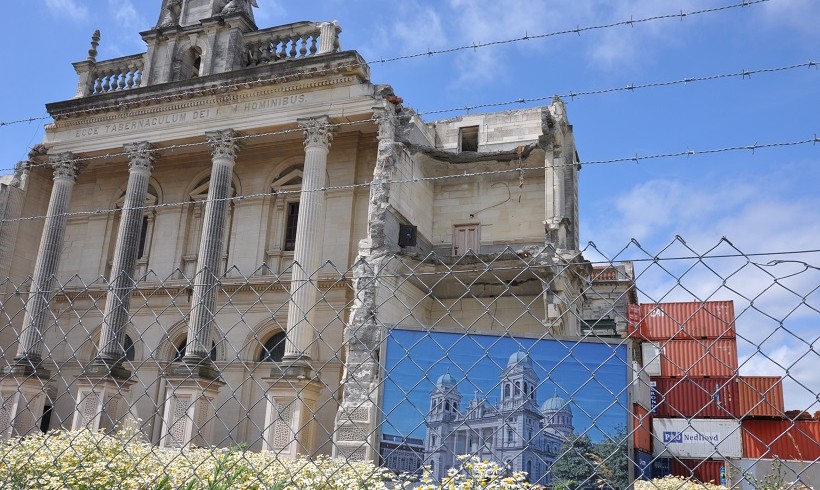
(187, 117)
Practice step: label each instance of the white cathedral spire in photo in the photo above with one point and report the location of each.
(516, 431)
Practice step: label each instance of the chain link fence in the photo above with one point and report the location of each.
(522, 367)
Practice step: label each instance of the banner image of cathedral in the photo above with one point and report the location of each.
(514, 401)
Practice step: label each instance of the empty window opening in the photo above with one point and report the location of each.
(290, 226)
(180, 350)
(274, 349)
(468, 138)
(196, 66)
(45, 420)
(143, 237)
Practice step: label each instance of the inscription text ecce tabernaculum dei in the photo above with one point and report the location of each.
(185, 117)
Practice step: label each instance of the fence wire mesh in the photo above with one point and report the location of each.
(521, 367)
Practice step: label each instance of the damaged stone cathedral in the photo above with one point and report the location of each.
(216, 235)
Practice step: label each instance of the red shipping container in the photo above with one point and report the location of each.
(696, 397)
(760, 396)
(642, 426)
(706, 471)
(781, 438)
(699, 358)
(695, 320)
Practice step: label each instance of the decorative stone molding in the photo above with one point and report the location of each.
(223, 143)
(171, 16)
(318, 131)
(237, 6)
(140, 156)
(66, 166)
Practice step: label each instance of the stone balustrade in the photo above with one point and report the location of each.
(109, 76)
(292, 41)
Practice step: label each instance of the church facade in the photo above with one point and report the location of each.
(215, 234)
(517, 432)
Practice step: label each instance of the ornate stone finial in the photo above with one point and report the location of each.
(95, 41)
(66, 166)
(223, 143)
(235, 6)
(140, 155)
(37, 152)
(170, 17)
(318, 131)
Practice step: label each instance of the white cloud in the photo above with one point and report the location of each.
(798, 364)
(68, 8)
(126, 15)
(800, 15)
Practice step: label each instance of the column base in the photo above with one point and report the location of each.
(101, 403)
(22, 399)
(23, 367)
(102, 368)
(291, 410)
(189, 409)
(195, 368)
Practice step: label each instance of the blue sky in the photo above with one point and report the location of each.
(762, 202)
(591, 375)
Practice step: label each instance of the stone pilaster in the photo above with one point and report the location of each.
(207, 277)
(187, 419)
(111, 354)
(289, 416)
(22, 400)
(101, 402)
(307, 254)
(29, 353)
(355, 435)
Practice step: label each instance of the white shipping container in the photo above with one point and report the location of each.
(696, 438)
(651, 353)
(641, 387)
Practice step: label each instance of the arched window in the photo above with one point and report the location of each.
(179, 350)
(517, 387)
(285, 215)
(446, 405)
(273, 350)
(506, 390)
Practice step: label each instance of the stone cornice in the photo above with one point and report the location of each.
(329, 69)
(149, 290)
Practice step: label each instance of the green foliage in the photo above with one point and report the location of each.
(575, 467)
(612, 456)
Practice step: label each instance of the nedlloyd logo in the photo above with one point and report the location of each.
(670, 437)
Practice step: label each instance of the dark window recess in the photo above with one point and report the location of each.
(195, 68)
(468, 138)
(407, 235)
(290, 226)
(274, 349)
(604, 327)
(180, 350)
(45, 421)
(128, 347)
(143, 236)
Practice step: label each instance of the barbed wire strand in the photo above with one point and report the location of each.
(517, 170)
(469, 108)
(429, 53)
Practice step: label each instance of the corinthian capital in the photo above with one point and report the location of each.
(66, 166)
(223, 143)
(318, 131)
(140, 156)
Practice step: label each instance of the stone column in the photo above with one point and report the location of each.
(29, 353)
(307, 255)
(121, 283)
(295, 388)
(102, 388)
(206, 278)
(22, 390)
(193, 386)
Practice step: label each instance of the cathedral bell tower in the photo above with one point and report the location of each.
(194, 38)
